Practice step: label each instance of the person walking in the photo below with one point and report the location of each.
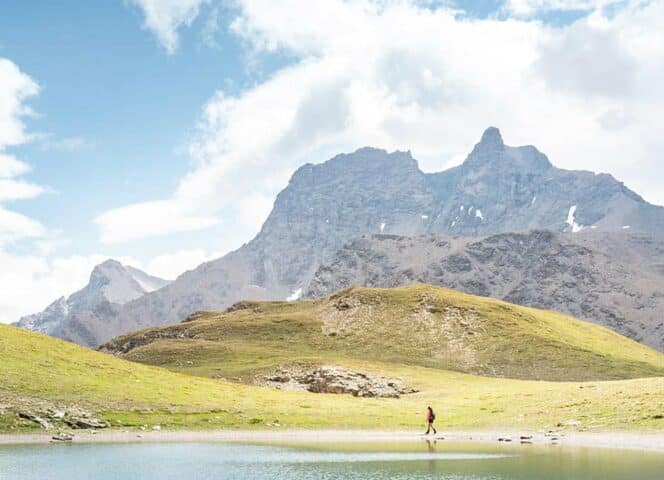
(431, 417)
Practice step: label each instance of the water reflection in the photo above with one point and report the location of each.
(427, 459)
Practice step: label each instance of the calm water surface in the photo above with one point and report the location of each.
(441, 460)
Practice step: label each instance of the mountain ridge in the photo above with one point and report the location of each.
(497, 189)
(110, 285)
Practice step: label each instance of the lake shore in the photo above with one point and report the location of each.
(647, 441)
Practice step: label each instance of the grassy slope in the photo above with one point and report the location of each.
(39, 372)
(418, 325)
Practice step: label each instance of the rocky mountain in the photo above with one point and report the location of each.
(81, 318)
(615, 279)
(497, 189)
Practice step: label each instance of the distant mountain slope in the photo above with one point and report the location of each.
(613, 279)
(415, 325)
(81, 318)
(497, 189)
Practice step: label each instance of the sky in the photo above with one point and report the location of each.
(158, 132)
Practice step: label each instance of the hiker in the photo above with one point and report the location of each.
(431, 417)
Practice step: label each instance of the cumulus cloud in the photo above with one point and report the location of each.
(15, 88)
(27, 282)
(400, 75)
(16, 226)
(589, 60)
(10, 166)
(170, 265)
(165, 17)
(18, 190)
(149, 219)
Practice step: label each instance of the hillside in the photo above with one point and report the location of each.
(415, 325)
(41, 374)
(614, 279)
(497, 189)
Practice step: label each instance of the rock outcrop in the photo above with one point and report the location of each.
(613, 279)
(332, 379)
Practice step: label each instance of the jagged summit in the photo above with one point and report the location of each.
(107, 265)
(492, 138)
(495, 158)
(490, 147)
(363, 161)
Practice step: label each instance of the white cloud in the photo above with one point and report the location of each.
(588, 60)
(11, 167)
(253, 209)
(16, 226)
(165, 17)
(15, 88)
(18, 190)
(149, 219)
(170, 265)
(394, 75)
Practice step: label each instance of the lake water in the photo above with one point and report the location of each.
(218, 461)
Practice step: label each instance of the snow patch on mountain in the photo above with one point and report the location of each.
(571, 214)
(295, 295)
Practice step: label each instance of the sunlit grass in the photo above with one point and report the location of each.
(39, 372)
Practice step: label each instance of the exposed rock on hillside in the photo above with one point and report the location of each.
(613, 279)
(332, 379)
(415, 325)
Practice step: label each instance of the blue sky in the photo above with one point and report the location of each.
(162, 130)
(127, 106)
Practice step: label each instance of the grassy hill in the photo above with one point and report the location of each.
(419, 325)
(40, 373)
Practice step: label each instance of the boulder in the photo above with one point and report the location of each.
(62, 437)
(332, 379)
(83, 422)
(45, 424)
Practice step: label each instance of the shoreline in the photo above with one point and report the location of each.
(653, 442)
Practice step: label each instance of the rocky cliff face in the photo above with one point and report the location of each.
(613, 279)
(497, 189)
(82, 318)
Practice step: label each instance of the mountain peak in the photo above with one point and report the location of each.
(106, 266)
(488, 150)
(492, 153)
(492, 138)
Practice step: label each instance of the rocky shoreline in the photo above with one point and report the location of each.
(642, 441)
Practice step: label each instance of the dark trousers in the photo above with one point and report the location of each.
(431, 427)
